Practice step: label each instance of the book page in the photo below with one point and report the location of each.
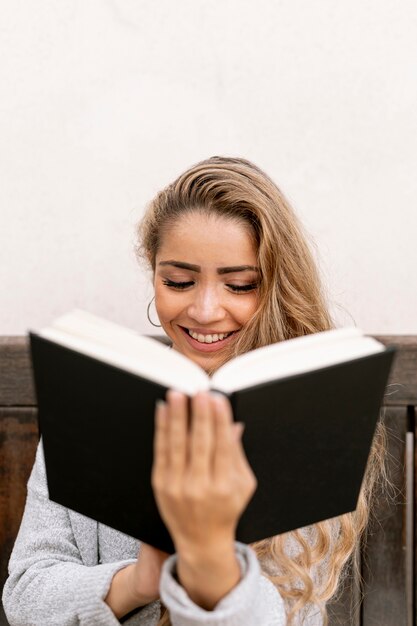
(294, 356)
(124, 348)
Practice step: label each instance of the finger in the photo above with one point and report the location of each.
(239, 454)
(177, 432)
(202, 435)
(241, 463)
(223, 437)
(234, 454)
(160, 448)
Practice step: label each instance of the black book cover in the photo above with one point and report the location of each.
(307, 438)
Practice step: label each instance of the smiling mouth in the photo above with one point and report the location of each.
(208, 338)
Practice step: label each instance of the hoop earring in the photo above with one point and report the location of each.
(147, 313)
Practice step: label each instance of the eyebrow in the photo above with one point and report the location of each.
(220, 270)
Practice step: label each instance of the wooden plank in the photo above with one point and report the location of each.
(402, 385)
(16, 385)
(405, 342)
(409, 518)
(384, 558)
(346, 608)
(412, 517)
(18, 441)
(16, 382)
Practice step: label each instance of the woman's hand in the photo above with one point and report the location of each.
(202, 483)
(146, 572)
(137, 584)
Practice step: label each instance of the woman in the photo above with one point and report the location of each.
(231, 272)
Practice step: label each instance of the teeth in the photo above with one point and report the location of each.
(208, 338)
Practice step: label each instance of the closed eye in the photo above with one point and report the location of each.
(184, 285)
(171, 283)
(243, 288)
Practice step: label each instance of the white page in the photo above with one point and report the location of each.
(128, 350)
(294, 356)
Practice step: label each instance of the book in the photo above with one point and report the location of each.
(310, 407)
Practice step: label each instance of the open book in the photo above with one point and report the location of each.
(310, 407)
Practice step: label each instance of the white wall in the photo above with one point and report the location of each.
(102, 103)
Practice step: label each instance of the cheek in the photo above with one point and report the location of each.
(244, 310)
(166, 305)
(161, 304)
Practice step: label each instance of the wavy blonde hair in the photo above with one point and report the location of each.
(305, 565)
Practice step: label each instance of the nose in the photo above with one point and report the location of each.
(206, 306)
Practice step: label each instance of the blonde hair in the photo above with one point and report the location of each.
(305, 565)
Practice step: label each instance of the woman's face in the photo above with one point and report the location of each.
(205, 284)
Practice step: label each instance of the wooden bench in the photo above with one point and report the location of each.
(388, 556)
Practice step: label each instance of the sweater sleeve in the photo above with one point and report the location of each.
(48, 583)
(254, 601)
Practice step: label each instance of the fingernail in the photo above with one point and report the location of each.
(173, 394)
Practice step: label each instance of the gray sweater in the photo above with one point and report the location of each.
(62, 565)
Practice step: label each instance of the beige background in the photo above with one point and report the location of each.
(104, 102)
